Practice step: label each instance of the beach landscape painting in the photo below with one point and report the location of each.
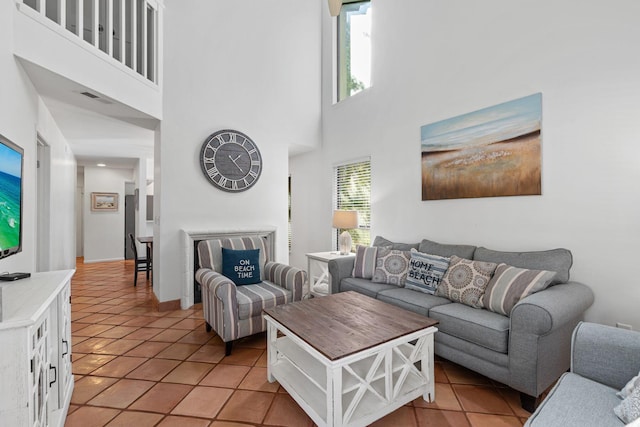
(492, 152)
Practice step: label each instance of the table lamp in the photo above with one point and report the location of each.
(345, 220)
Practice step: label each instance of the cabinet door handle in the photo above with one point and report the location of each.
(66, 351)
(55, 375)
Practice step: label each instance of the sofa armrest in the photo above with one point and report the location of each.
(540, 335)
(287, 277)
(216, 286)
(545, 311)
(605, 354)
(340, 268)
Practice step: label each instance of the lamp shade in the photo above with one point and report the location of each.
(334, 7)
(345, 219)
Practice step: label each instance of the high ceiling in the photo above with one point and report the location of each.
(98, 130)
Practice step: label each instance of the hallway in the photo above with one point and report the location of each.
(135, 366)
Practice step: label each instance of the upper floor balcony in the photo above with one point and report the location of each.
(112, 47)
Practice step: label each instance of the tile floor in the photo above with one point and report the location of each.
(137, 367)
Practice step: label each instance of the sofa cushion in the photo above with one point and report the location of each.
(365, 263)
(558, 260)
(446, 250)
(466, 280)
(364, 286)
(510, 284)
(253, 298)
(481, 327)
(411, 300)
(381, 242)
(391, 267)
(577, 402)
(425, 272)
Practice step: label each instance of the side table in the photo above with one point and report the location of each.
(318, 271)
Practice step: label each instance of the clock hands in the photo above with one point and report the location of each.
(235, 161)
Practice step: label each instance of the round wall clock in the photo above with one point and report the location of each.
(230, 160)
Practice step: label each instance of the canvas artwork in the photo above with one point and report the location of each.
(104, 201)
(491, 152)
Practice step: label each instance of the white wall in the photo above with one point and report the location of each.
(62, 185)
(21, 113)
(435, 60)
(104, 231)
(249, 66)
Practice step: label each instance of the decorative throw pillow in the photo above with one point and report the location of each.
(466, 280)
(365, 263)
(633, 384)
(425, 272)
(629, 409)
(391, 267)
(241, 266)
(510, 284)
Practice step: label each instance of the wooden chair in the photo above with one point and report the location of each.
(142, 263)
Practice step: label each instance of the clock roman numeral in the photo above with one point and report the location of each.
(208, 160)
(222, 182)
(234, 185)
(213, 172)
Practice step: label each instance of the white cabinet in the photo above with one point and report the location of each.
(35, 350)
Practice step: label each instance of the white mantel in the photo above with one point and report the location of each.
(189, 237)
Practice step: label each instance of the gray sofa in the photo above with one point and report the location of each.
(527, 351)
(603, 360)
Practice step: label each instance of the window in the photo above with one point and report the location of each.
(354, 48)
(353, 192)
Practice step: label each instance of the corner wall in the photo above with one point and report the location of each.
(250, 66)
(436, 60)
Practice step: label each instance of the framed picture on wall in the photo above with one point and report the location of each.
(104, 202)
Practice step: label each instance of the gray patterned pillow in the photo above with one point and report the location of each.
(466, 280)
(391, 267)
(629, 410)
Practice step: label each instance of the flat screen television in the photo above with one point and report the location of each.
(11, 166)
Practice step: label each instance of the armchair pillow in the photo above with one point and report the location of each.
(465, 280)
(241, 266)
(629, 410)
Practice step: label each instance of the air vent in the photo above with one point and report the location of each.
(90, 95)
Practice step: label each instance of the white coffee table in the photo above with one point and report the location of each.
(348, 359)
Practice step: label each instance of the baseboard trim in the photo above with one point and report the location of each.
(93, 261)
(165, 305)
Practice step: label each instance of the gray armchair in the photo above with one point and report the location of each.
(603, 360)
(236, 311)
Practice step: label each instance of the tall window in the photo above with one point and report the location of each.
(353, 192)
(354, 48)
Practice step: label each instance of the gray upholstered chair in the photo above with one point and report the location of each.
(236, 311)
(603, 360)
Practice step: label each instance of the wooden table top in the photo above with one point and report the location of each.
(342, 324)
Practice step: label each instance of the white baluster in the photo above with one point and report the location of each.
(123, 31)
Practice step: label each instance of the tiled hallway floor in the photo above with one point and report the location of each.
(137, 367)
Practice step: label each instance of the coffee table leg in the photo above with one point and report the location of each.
(427, 369)
(272, 335)
(334, 396)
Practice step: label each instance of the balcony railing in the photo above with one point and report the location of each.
(126, 30)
